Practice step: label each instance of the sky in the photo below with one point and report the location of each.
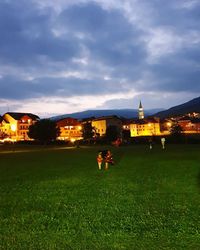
(65, 56)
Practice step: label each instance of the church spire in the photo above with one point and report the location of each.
(141, 111)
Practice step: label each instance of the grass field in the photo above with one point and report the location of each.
(58, 199)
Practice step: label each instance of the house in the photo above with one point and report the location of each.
(166, 125)
(16, 125)
(189, 125)
(70, 129)
(145, 127)
(102, 123)
(4, 128)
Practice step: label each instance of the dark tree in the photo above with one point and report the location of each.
(112, 133)
(87, 131)
(176, 130)
(44, 131)
(126, 134)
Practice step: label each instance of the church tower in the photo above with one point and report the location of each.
(141, 111)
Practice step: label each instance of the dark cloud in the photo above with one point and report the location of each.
(89, 18)
(41, 43)
(180, 72)
(109, 36)
(12, 88)
(26, 35)
(174, 14)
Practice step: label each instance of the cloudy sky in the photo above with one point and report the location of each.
(63, 56)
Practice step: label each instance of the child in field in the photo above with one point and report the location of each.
(99, 160)
(108, 159)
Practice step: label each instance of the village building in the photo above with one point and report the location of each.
(126, 124)
(143, 126)
(165, 126)
(102, 123)
(4, 128)
(189, 125)
(70, 129)
(194, 115)
(15, 126)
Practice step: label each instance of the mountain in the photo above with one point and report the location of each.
(126, 113)
(188, 107)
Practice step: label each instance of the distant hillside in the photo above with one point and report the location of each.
(188, 107)
(126, 113)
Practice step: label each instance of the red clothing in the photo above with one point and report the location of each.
(99, 159)
(109, 158)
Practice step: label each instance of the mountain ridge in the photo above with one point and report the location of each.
(187, 107)
(126, 113)
(182, 109)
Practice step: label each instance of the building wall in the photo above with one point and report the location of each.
(18, 129)
(144, 129)
(133, 130)
(11, 127)
(23, 127)
(70, 129)
(4, 128)
(100, 126)
(189, 127)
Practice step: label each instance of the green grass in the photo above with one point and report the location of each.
(58, 199)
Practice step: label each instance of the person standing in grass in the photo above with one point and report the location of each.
(163, 142)
(150, 143)
(108, 159)
(99, 160)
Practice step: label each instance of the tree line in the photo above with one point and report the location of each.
(46, 131)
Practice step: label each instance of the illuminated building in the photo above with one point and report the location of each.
(144, 126)
(70, 129)
(102, 123)
(4, 128)
(165, 126)
(189, 125)
(194, 115)
(16, 125)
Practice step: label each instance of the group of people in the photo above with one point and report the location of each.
(162, 143)
(105, 156)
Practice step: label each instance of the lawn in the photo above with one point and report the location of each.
(58, 199)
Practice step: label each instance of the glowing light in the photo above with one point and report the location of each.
(13, 127)
(169, 124)
(72, 140)
(8, 140)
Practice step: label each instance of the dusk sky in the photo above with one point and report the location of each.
(64, 56)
